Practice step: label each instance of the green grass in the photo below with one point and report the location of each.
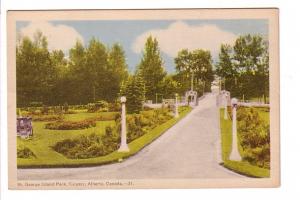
(43, 139)
(241, 167)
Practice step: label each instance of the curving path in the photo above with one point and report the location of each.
(190, 149)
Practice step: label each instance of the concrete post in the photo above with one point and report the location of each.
(225, 107)
(235, 155)
(123, 147)
(176, 106)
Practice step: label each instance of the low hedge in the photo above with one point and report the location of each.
(70, 125)
(44, 118)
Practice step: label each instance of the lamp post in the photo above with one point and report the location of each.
(176, 106)
(235, 155)
(225, 106)
(192, 81)
(123, 147)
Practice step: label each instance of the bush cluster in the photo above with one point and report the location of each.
(99, 106)
(70, 125)
(100, 145)
(139, 124)
(89, 146)
(25, 152)
(254, 134)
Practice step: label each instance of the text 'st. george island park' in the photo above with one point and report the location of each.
(142, 99)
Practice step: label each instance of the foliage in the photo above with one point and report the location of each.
(198, 62)
(70, 125)
(114, 107)
(35, 73)
(139, 124)
(244, 68)
(88, 146)
(99, 106)
(134, 90)
(92, 72)
(151, 68)
(254, 137)
(47, 157)
(25, 152)
(243, 167)
(95, 145)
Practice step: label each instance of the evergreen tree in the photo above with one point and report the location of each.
(134, 90)
(151, 68)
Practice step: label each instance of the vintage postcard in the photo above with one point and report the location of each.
(102, 99)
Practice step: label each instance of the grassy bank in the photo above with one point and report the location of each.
(241, 167)
(42, 141)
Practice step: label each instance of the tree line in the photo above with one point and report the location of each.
(98, 72)
(91, 73)
(244, 67)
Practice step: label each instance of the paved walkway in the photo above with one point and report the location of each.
(190, 149)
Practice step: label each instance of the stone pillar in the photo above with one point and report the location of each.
(235, 155)
(123, 147)
(176, 106)
(225, 106)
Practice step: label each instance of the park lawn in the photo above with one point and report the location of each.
(241, 167)
(41, 144)
(43, 140)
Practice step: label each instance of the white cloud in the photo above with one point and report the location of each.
(180, 35)
(59, 37)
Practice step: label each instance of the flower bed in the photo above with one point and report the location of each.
(70, 125)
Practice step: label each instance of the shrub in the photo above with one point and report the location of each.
(70, 125)
(114, 107)
(254, 137)
(25, 152)
(99, 106)
(135, 128)
(89, 146)
(139, 124)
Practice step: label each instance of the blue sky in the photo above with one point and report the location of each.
(131, 34)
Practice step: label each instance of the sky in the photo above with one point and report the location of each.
(172, 35)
